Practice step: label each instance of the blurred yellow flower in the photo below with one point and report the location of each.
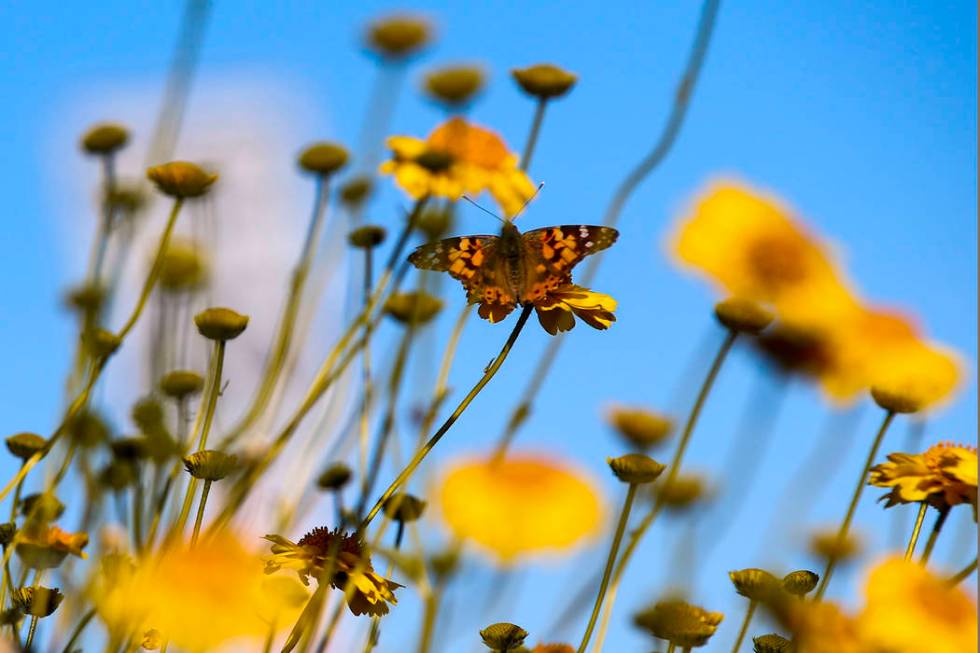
(520, 505)
(820, 627)
(44, 547)
(198, 598)
(909, 610)
(459, 157)
(923, 374)
(750, 246)
(945, 475)
(311, 556)
(558, 309)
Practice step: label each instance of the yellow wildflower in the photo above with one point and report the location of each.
(819, 627)
(459, 157)
(750, 246)
(558, 309)
(311, 556)
(44, 547)
(520, 505)
(680, 623)
(909, 610)
(944, 475)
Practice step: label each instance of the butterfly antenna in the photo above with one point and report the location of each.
(529, 200)
(485, 210)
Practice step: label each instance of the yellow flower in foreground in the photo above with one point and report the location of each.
(459, 157)
(312, 555)
(819, 627)
(520, 505)
(45, 547)
(198, 598)
(750, 246)
(909, 610)
(944, 475)
(558, 309)
(922, 374)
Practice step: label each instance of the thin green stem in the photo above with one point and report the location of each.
(441, 389)
(964, 573)
(104, 228)
(30, 633)
(77, 632)
(532, 137)
(17, 491)
(423, 451)
(934, 535)
(745, 626)
(624, 516)
(200, 512)
(845, 525)
(910, 549)
(671, 647)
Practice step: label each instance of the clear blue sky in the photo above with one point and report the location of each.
(861, 115)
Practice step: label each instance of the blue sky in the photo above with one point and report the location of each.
(860, 115)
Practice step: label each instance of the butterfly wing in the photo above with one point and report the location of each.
(473, 261)
(552, 252)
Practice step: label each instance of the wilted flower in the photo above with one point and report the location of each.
(519, 505)
(678, 622)
(558, 309)
(459, 157)
(944, 475)
(346, 555)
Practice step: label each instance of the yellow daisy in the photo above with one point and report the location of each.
(558, 309)
(945, 475)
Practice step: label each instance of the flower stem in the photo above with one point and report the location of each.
(427, 447)
(83, 622)
(934, 535)
(200, 512)
(532, 137)
(910, 549)
(845, 525)
(610, 561)
(964, 573)
(745, 626)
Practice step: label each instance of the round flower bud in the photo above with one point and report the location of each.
(117, 475)
(544, 81)
(635, 468)
(210, 465)
(368, 236)
(355, 191)
(771, 643)
(641, 428)
(131, 449)
(147, 414)
(220, 323)
(87, 429)
(101, 343)
(826, 544)
(415, 308)
(87, 298)
(126, 197)
(743, 315)
(37, 601)
(105, 138)
(404, 507)
(181, 383)
(183, 267)
(754, 584)
(682, 492)
(445, 563)
(7, 532)
(895, 400)
(25, 445)
(454, 85)
(181, 179)
(680, 623)
(503, 636)
(397, 37)
(434, 222)
(323, 158)
(334, 477)
(42, 507)
(801, 582)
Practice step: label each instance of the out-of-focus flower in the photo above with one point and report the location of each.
(544, 81)
(181, 383)
(346, 555)
(397, 37)
(640, 427)
(366, 237)
(944, 475)
(680, 623)
(826, 544)
(558, 309)
(455, 86)
(25, 445)
(105, 138)
(914, 375)
(197, 597)
(220, 323)
(519, 505)
(820, 627)
(45, 547)
(750, 246)
(184, 266)
(743, 315)
(908, 610)
(459, 157)
(553, 648)
(181, 179)
(684, 492)
(414, 308)
(323, 158)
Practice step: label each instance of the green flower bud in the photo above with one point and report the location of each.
(87, 429)
(404, 507)
(503, 637)
(434, 222)
(896, 401)
(117, 475)
(682, 492)
(544, 81)
(181, 179)
(25, 445)
(42, 507)
(220, 323)
(397, 37)
(641, 428)
(210, 465)
(105, 138)
(800, 583)
(37, 601)
(678, 622)
(147, 414)
(355, 191)
(181, 383)
(454, 85)
(754, 584)
(323, 158)
(771, 643)
(367, 236)
(415, 308)
(743, 315)
(87, 298)
(334, 477)
(101, 343)
(635, 468)
(184, 267)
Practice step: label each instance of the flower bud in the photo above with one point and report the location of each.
(334, 477)
(210, 465)
(323, 158)
(147, 414)
(87, 429)
(105, 138)
(434, 221)
(680, 623)
(183, 268)
(682, 492)
(126, 197)
(743, 315)
(895, 400)
(87, 298)
(635, 468)
(42, 507)
(415, 308)
(641, 428)
(181, 179)
(181, 383)
(445, 563)
(25, 445)
(220, 323)
(131, 449)
(503, 636)
(117, 475)
(368, 236)
(355, 191)
(37, 601)
(404, 507)
(7, 532)
(544, 81)
(754, 584)
(771, 643)
(801, 582)
(454, 85)
(101, 343)
(397, 37)
(827, 545)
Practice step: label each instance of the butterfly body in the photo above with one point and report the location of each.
(514, 268)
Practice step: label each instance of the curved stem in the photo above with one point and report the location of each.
(610, 561)
(964, 573)
(745, 626)
(910, 549)
(934, 535)
(849, 516)
(427, 447)
(86, 618)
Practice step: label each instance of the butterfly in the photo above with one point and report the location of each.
(500, 272)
